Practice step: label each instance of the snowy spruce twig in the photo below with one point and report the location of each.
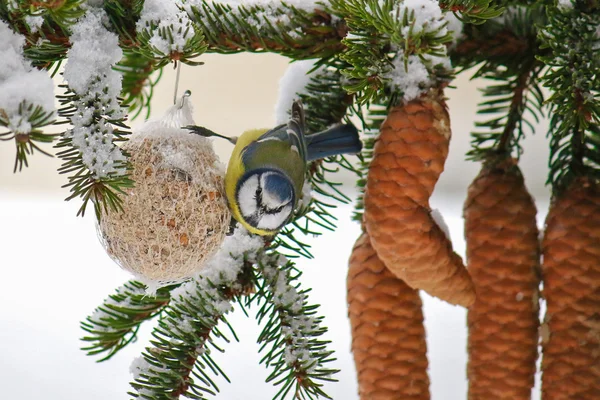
(298, 29)
(166, 33)
(180, 362)
(515, 100)
(396, 49)
(572, 37)
(292, 332)
(26, 98)
(96, 166)
(115, 323)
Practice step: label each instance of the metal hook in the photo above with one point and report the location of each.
(186, 94)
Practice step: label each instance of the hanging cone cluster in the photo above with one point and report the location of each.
(571, 276)
(503, 259)
(409, 157)
(388, 337)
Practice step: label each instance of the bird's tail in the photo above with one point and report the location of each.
(339, 139)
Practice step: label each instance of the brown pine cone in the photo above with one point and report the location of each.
(503, 258)
(388, 337)
(409, 157)
(571, 276)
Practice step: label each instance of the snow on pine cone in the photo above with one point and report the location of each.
(503, 259)
(388, 337)
(571, 276)
(176, 216)
(409, 157)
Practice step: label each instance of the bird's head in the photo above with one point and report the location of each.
(266, 199)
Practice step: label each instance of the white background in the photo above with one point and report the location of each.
(54, 272)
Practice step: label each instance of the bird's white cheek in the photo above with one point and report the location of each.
(272, 202)
(274, 221)
(246, 194)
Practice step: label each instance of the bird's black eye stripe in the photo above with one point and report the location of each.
(258, 193)
(271, 211)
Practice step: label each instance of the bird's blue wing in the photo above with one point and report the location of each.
(292, 133)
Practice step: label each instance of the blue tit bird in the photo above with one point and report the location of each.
(267, 168)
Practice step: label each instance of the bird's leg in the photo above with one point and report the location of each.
(232, 224)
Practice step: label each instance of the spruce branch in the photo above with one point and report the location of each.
(140, 76)
(513, 93)
(86, 113)
(123, 15)
(315, 34)
(474, 11)
(179, 361)
(97, 168)
(291, 336)
(489, 43)
(572, 38)
(388, 42)
(45, 28)
(284, 29)
(33, 117)
(501, 41)
(116, 322)
(166, 34)
(26, 98)
(62, 12)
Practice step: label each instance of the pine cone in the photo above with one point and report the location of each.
(571, 276)
(409, 157)
(388, 337)
(503, 259)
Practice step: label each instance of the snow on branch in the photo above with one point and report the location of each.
(413, 74)
(269, 6)
(26, 93)
(96, 166)
(293, 83)
(158, 15)
(179, 361)
(297, 29)
(165, 29)
(400, 45)
(292, 332)
(89, 74)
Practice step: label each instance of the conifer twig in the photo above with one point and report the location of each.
(291, 335)
(115, 323)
